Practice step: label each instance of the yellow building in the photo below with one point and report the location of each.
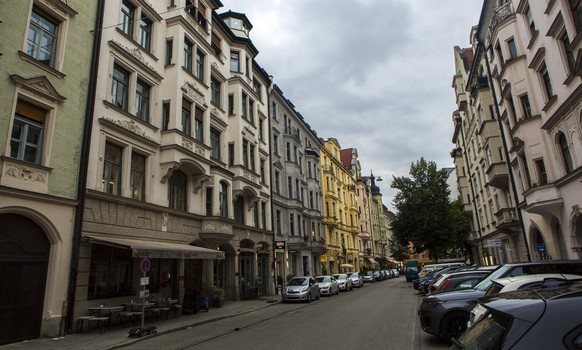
(340, 211)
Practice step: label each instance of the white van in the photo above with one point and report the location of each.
(432, 267)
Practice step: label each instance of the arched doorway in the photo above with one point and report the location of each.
(246, 265)
(539, 244)
(24, 255)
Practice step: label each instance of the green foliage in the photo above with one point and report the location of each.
(424, 215)
(399, 251)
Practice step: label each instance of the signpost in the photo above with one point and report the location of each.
(144, 266)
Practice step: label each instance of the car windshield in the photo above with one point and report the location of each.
(412, 268)
(486, 282)
(369, 273)
(297, 282)
(322, 279)
(340, 277)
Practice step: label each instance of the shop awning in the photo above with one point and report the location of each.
(372, 261)
(157, 249)
(347, 266)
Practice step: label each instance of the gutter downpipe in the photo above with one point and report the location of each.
(506, 150)
(269, 134)
(84, 161)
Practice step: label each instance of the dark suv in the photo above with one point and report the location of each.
(446, 314)
(544, 317)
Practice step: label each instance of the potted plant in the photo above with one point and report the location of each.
(217, 297)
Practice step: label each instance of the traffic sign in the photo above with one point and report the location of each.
(145, 265)
(144, 281)
(144, 293)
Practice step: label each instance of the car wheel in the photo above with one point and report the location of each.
(454, 324)
(317, 297)
(309, 297)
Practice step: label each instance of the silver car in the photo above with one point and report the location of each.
(343, 281)
(357, 279)
(328, 285)
(302, 288)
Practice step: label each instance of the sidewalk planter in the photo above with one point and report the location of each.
(217, 297)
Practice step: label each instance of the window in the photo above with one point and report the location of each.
(512, 48)
(188, 52)
(289, 187)
(235, 61)
(223, 199)
(252, 158)
(251, 111)
(216, 44)
(277, 181)
(541, 169)
(244, 112)
(27, 138)
(145, 33)
(245, 150)
(165, 115)
(119, 87)
(288, 151)
(292, 224)
(278, 221)
(215, 144)
(262, 170)
(274, 110)
(576, 6)
(231, 154)
(239, 212)
(209, 201)
(525, 105)
(545, 75)
(42, 38)
(127, 17)
(565, 151)
(257, 88)
(142, 101)
(567, 51)
(177, 193)
(256, 214)
(230, 104)
(264, 215)
(531, 23)
(276, 144)
(199, 73)
(261, 129)
(110, 272)
(199, 124)
(186, 117)
(112, 169)
(215, 91)
(137, 176)
(169, 48)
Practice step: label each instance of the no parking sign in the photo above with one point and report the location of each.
(145, 265)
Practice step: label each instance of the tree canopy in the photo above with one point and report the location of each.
(425, 217)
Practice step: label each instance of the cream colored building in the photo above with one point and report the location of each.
(531, 53)
(179, 164)
(296, 196)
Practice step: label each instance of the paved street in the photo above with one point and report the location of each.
(378, 316)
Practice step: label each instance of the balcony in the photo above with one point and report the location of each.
(489, 128)
(507, 220)
(497, 175)
(310, 152)
(331, 221)
(501, 13)
(328, 169)
(544, 200)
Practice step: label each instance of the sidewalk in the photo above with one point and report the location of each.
(118, 338)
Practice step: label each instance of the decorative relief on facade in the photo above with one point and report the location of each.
(249, 176)
(131, 126)
(165, 218)
(199, 181)
(168, 170)
(25, 174)
(136, 53)
(188, 144)
(209, 226)
(192, 91)
(199, 150)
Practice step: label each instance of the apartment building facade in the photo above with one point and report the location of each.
(45, 67)
(296, 198)
(179, 170)
(531, 54)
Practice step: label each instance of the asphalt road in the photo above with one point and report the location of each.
(379, 316)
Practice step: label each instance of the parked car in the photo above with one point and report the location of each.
(436, 284)
(344, 282)
(446, 314)
(389, 273)
(301, 288)
(357, 279)
(369, 277)
(458, 280)
(396, 273)
(328, 285)
(509, 284)
(543, 317)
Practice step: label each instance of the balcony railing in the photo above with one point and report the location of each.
(501, 13)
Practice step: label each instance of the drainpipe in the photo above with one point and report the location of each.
(505, 150)
(269, 135)
(458, 120)
(83, 163)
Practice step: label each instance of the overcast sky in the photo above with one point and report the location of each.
(375, 74)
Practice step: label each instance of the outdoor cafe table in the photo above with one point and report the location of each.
(103, 310)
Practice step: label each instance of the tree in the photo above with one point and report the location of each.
(398, 251)
(460, 230)
(423, 210)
